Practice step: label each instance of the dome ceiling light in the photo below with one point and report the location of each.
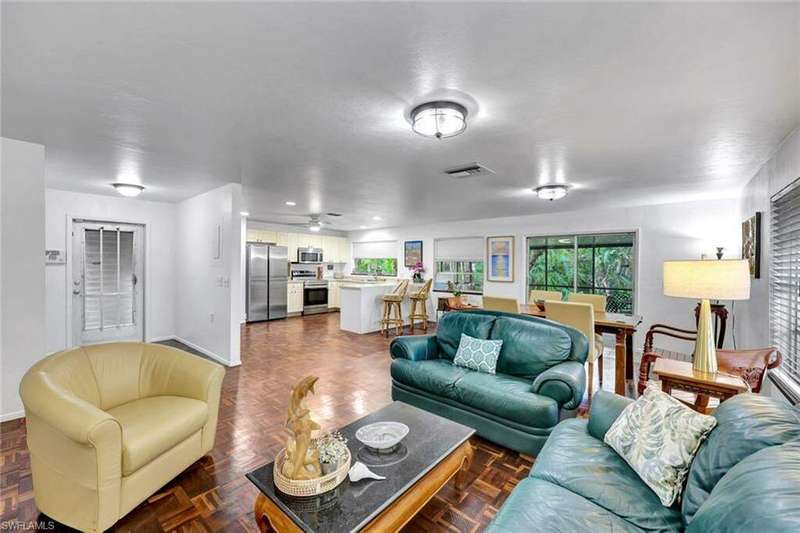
(551, 192)
(439, 119)
(128, 189)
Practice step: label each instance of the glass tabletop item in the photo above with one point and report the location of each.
(351, 506)
(382, 435)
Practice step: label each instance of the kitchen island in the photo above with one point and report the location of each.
(361, 307)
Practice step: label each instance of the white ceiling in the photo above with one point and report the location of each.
(632, 103)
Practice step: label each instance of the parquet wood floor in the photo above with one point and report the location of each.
(214, 495)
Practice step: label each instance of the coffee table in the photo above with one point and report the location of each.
(435, 450)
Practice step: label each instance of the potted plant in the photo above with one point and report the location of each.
(332, 449)
(455, 301)
(418, 269)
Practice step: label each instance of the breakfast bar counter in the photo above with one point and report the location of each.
(361, 307)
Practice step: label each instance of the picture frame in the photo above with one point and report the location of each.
(412, 253)
(751, 244)
(500, 259)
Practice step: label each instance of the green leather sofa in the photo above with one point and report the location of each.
(745, 477)
(539, 380)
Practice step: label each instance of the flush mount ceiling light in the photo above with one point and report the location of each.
(290, 203)
(128, 189)
(244, 213)
(315, 227)
(551, 192)
(439, 119)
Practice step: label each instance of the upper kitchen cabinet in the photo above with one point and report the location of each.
(260, 235)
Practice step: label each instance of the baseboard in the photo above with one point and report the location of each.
(162, 338)
(5, 417)
(205, 351)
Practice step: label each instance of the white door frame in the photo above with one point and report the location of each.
(68, 271)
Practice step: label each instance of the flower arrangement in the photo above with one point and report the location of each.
(418, 269)
(332, 448)
(452, 287)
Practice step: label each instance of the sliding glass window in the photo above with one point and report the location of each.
(595, 264)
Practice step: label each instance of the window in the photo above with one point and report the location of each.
(376, 265)
(460, 261)
(784, 279)
(376, 257)
(596, 264)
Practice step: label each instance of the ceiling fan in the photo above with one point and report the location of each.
(315, 221)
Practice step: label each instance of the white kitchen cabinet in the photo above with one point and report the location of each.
(343, 250)
(282, 238)
(292, 242)
(294, 297)
(334, 294)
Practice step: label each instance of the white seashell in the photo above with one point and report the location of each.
(360, 471)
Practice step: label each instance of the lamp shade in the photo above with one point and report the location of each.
(713, 280)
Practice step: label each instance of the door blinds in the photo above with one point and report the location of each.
(108, 277)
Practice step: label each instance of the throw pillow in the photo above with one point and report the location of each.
(478, 354)
(658, 437)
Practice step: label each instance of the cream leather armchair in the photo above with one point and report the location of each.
(109, 424)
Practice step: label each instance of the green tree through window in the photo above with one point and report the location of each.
(597, 264)
(386, 266)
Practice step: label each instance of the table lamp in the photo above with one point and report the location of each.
(705, 280)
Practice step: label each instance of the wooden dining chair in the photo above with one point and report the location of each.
(580, 316)
(536, 295)
(597, 300)
(494, 303)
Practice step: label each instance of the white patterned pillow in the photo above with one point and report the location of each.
(658, 437)
(478, 354)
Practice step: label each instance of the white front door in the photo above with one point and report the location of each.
(107, 282)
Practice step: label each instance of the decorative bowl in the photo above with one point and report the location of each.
(308, 487)
(382, 435)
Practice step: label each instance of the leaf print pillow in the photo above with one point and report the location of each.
(658, 437)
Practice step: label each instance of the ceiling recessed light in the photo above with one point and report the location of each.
(244, 213)
(290, 203)
(363, 227)
(551, 192)
(439, 119)
(376, 217)
(128, 189)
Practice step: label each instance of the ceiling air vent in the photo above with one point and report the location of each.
(334, 214)
(468, 170)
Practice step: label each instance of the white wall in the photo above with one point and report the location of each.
(209, 295)
(667, 231)
(22, 293)
(160, 221)
(752, 316)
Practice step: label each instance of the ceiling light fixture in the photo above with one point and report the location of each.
(376, 217)
(290, 203)
(363, 227)
(128, 189)
(551, 192)
(315, 227)
(244, 213)
(439, 119)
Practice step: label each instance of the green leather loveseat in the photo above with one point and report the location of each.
(539, 380)
(745, 477)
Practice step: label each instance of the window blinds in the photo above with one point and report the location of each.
(108, 294)
(458, 249)
(784, 277)
(375, 250)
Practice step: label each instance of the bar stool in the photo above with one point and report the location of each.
(420, 298)
(391, 302)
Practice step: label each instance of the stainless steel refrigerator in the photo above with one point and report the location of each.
(267, 278)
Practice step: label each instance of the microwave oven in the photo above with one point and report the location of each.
(309, 255)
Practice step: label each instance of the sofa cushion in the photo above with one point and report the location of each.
(536, 505)
(436, 376)
(152, 426)
(477, 354)
(506, 397)
(760, 493)
(580, 463)
(746, 424)
(452, 325)
(529, 347)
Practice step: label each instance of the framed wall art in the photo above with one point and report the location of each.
(412, 253)
(751, 244)
(500, 259)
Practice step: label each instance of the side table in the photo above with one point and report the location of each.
(681, 375)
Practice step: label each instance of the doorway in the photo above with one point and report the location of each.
(107, 282)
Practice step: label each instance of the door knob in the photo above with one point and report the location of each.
(76, 291)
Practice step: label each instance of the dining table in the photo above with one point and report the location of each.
(622, 327)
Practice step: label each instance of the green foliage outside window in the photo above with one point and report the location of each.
(604, 265)
(382, 266)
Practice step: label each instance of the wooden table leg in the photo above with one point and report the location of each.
(270, 518)
(463, 473)
(628, 355)
(619, 363)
